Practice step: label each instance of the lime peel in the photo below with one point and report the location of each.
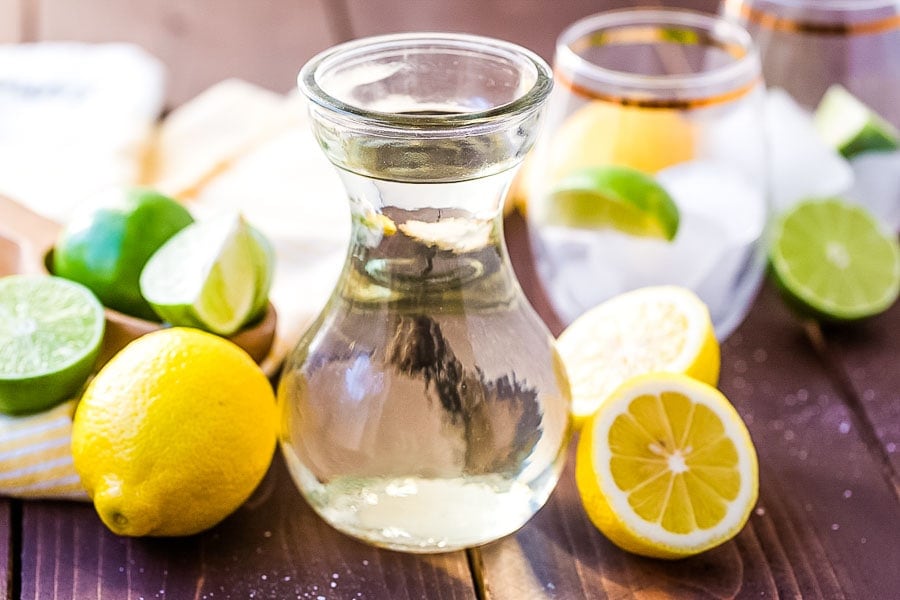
(851, 127)
(51, 330)
(831, 260)
(614, 197)
(214, 275)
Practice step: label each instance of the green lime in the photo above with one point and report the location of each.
(50, 334)
(106, 248)
(834, 261)
(852, 127)
(214, 275)
(615, 197)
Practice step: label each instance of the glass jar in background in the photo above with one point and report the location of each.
(831, 54)
(426, 410)
(652, 166)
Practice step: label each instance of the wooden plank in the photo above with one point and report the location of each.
(6, 550)
(201, 42)
(867, 355)
(531, 23)
(10, 21)
(826, 524)
(273, 547)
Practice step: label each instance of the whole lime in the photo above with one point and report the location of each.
(106, 248)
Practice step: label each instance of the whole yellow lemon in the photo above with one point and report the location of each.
(174, 433)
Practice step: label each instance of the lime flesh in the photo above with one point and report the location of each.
(213, 275)
(50, 335)
(852, 127)
(619, 198)
(834, 261)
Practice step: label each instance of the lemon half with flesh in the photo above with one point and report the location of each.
(658, 328)
(666, 467)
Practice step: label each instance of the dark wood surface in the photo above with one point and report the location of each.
(821, 407)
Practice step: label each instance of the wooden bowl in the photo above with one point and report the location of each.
(26, 242)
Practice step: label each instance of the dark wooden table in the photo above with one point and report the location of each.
(823, 407)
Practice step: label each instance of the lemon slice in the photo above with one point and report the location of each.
(666, 467)
(620, 198)
(660, 328)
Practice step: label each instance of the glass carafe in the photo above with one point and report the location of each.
(426, 409)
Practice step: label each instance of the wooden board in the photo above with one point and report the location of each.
(202, 43)
(6, 562)
(869, 354)
(826, 524)
(273, 547)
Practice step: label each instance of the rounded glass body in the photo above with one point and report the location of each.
(426, 409)
(808, 47)
(676, 96)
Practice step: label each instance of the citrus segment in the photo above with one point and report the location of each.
(604, 133)
(51, 330)
(851, 127)
(666, 467)
(214, 275)
(832, 260)
(660, 328)
(621, 198)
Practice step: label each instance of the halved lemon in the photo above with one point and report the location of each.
(658, 328)
(666, 467)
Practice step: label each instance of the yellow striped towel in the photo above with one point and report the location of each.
(36, 455)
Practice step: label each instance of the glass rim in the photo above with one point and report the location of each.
(529, 100)
(830, 5)
(744, 68)
(823, 17)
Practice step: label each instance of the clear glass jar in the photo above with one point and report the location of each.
(807, 48)
(649, 104)
(426, 409)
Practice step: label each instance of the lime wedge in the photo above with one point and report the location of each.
(832, 260)
(213, 275)
(852, 127)
(50, 334)
(614, 197)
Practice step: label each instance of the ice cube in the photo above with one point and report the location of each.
(877, 185)
(723, 216)
(802, 165)
(733, 134)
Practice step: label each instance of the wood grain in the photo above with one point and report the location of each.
(6, 562)
(202, 43)
(868, 355)
(273, 547)
(826, 523)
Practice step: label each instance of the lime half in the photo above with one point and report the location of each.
(213, 275)
(614, 197)
(50, 334)
(852, 127)
(833, 260)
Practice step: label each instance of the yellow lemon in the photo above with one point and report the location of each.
(174, 433)
(602, 133)
(658, 328)
(666, 467)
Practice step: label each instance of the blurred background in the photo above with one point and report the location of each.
(265, 42)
